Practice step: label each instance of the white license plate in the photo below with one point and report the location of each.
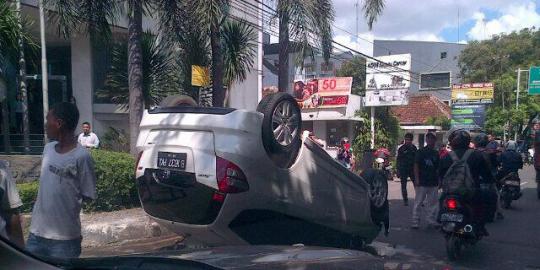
(451, 217)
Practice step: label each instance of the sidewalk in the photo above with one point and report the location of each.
(115, 228)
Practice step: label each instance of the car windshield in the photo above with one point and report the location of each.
(266, 133)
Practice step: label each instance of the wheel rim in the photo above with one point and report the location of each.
(378, 193)
(285, 123)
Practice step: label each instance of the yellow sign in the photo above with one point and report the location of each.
(200, 76)
(472, 93)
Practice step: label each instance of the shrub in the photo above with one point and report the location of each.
(115, 181)
(28, 193)
(115, 184)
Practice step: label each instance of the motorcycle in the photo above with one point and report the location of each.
(456, 219)
(510, 189)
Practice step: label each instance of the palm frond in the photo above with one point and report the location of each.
(372, 10)
(239, 50)
(159, 72)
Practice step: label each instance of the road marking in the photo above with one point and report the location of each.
(524, 183)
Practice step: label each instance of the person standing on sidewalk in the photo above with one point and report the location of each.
(67, 178)
(405, 164)
(426, 182)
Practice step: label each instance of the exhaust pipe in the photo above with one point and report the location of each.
(468, 228)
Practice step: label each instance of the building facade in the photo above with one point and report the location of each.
(434, 65)
(77, 69)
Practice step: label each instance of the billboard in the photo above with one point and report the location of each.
(472, 93)
(468, 116)
(534, 81)
(331, 92)
(388, 80)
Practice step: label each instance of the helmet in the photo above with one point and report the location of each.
(481, 140)
(459, 139)
(511, 146)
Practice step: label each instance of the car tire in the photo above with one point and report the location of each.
(378, 195)
(281, 128)
(178, 100)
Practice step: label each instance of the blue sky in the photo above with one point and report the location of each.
(436, 20)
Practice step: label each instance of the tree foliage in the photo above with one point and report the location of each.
(496, 60)
(442, 121)
(355, 68)
(387, 131)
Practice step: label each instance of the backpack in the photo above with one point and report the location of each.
(458, 179)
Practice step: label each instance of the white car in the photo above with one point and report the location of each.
(225, 177)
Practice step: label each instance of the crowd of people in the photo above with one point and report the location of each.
(488, 160)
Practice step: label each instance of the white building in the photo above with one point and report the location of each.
(81, 67)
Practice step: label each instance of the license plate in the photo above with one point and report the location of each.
(173, 161)
(511, 183)
(451, 217)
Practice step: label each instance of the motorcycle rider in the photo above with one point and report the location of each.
(459, 140)
(481, 141)
(511, 160)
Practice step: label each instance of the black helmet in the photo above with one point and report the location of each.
(459, 139)
(481, 140)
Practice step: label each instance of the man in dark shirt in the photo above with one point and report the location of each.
(405, 164)
(511, 160)
(479, 167)
(426, 182)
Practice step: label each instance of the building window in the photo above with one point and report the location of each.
(443, 55)
(327, 68)
(335, 131)
(434, 80)
(309, 68)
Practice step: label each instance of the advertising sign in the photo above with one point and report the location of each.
(386, 97)
(472, 93)
(468, 116)
(329, 92)
(534, 81)
(388, 80)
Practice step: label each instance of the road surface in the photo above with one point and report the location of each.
(514, 243)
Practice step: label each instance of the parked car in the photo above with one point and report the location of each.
(225, 177)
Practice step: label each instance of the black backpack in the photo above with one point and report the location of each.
(458, 179)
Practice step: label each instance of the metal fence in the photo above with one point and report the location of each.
(16, 144)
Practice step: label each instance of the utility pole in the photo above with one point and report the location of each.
(372, 119)
(356, 25)
(45, 76)
(519, 70)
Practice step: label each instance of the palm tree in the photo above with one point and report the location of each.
(160, 73)
(12, 39)
(307, 20)
(212, 14)
(239, 49)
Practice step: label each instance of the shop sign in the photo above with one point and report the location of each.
(388, 80)
(472, 93)
(468, 116)
(329, 92)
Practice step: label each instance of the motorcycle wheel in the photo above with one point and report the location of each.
(453, 247)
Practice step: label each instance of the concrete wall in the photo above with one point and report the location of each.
(426, 58)
(82, 77)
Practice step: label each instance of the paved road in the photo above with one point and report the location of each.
(514, 242)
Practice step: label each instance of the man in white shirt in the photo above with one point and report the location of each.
(88, 138)
(67, 178)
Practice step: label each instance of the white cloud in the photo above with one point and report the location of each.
(514, 18)
(364, 44)
(421, 20)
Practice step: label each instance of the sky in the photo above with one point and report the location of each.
(434, 20)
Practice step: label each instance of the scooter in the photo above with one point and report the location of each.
(456, 219)
(510, 189)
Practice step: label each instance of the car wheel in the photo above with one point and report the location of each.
(378, 195)
(178, 100)
(281, 128)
